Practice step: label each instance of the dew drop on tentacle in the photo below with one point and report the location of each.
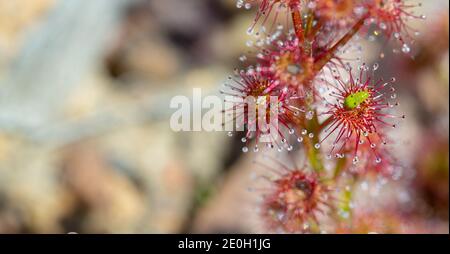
(309, 115)
(375, 66)
(406, 49)
(239, 4)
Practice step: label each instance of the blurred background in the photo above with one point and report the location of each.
(85, 143)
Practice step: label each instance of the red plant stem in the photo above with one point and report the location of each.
(320, 63)
(307, 33)
(298, 25)
(325, 124)
(314, 30)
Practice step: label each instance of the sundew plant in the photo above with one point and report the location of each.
(333, 110)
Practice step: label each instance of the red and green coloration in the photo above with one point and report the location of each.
(358, 113)
(292, 64)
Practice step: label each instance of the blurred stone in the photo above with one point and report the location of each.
(17, 17)
(149, 58)
(234, 208)
(113, 203)
(432, 166)
(229, 42)
(150, 156)
(30, 187)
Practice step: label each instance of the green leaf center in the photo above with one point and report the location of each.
(353, 100)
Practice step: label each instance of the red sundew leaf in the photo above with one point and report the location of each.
(362, 122)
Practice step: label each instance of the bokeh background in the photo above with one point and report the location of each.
(85, 143)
